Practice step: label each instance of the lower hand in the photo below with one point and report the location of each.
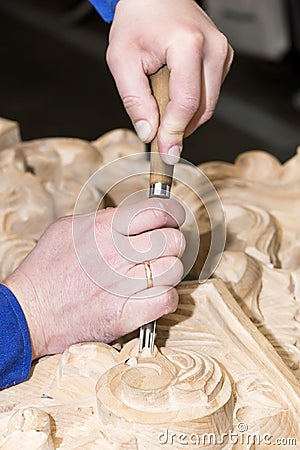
(64, 305)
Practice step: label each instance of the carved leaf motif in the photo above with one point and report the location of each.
(271, 414)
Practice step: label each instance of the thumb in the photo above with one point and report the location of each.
(134, 89)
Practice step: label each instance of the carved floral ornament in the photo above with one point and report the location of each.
(225, 373)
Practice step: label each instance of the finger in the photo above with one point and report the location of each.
(144, 245)
(151, 305)
(148, 215)
(217, 59)
(134, 89)
(150, 245)
(166, 271)
(184, 92)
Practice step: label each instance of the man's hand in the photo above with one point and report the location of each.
(147, 34)
(63, 302)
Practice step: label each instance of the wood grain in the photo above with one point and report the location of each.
(160, 171)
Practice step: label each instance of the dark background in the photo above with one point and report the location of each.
(55, 82)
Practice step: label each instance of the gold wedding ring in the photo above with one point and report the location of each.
(148, 271)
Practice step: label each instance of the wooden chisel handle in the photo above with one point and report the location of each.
(160, 172)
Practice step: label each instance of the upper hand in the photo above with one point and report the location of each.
(145, 35)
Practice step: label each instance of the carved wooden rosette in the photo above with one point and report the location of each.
(175, 390)
(96, 397)
(208, 318)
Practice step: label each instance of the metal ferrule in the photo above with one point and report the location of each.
(160, 190)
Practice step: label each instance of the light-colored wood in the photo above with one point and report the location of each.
(254, 231)
(222, 332)
(260, 198)
(41, 181)
(171, 389)
(13, 250)
(230, 353)
(118, 144)
(63, 166)
(9, 133)
(26, 209)
(213, 370)
(160, 171)
(270, 297)
(257, 179)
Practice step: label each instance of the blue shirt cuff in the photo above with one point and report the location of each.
(15, 346)
(106, 8)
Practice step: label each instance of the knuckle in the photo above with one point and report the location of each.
(105, 219)
(112, 256)
(175, 129)
(160, 214)
(222, 46)
(174, 271)
(59, 235)
(132, 102)
(181, 243)
(194, 41)
(185, 106)
(61, 225)
(171, 300)
(188, 104)
(208, 113)
(179, 270)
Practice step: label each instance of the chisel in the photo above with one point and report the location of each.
(161, 175)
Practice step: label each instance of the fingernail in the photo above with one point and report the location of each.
(173, 155)
(143, 130)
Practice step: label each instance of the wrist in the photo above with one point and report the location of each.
(22, 288)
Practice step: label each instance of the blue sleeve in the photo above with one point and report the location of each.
(106, 8)
(15, 347)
